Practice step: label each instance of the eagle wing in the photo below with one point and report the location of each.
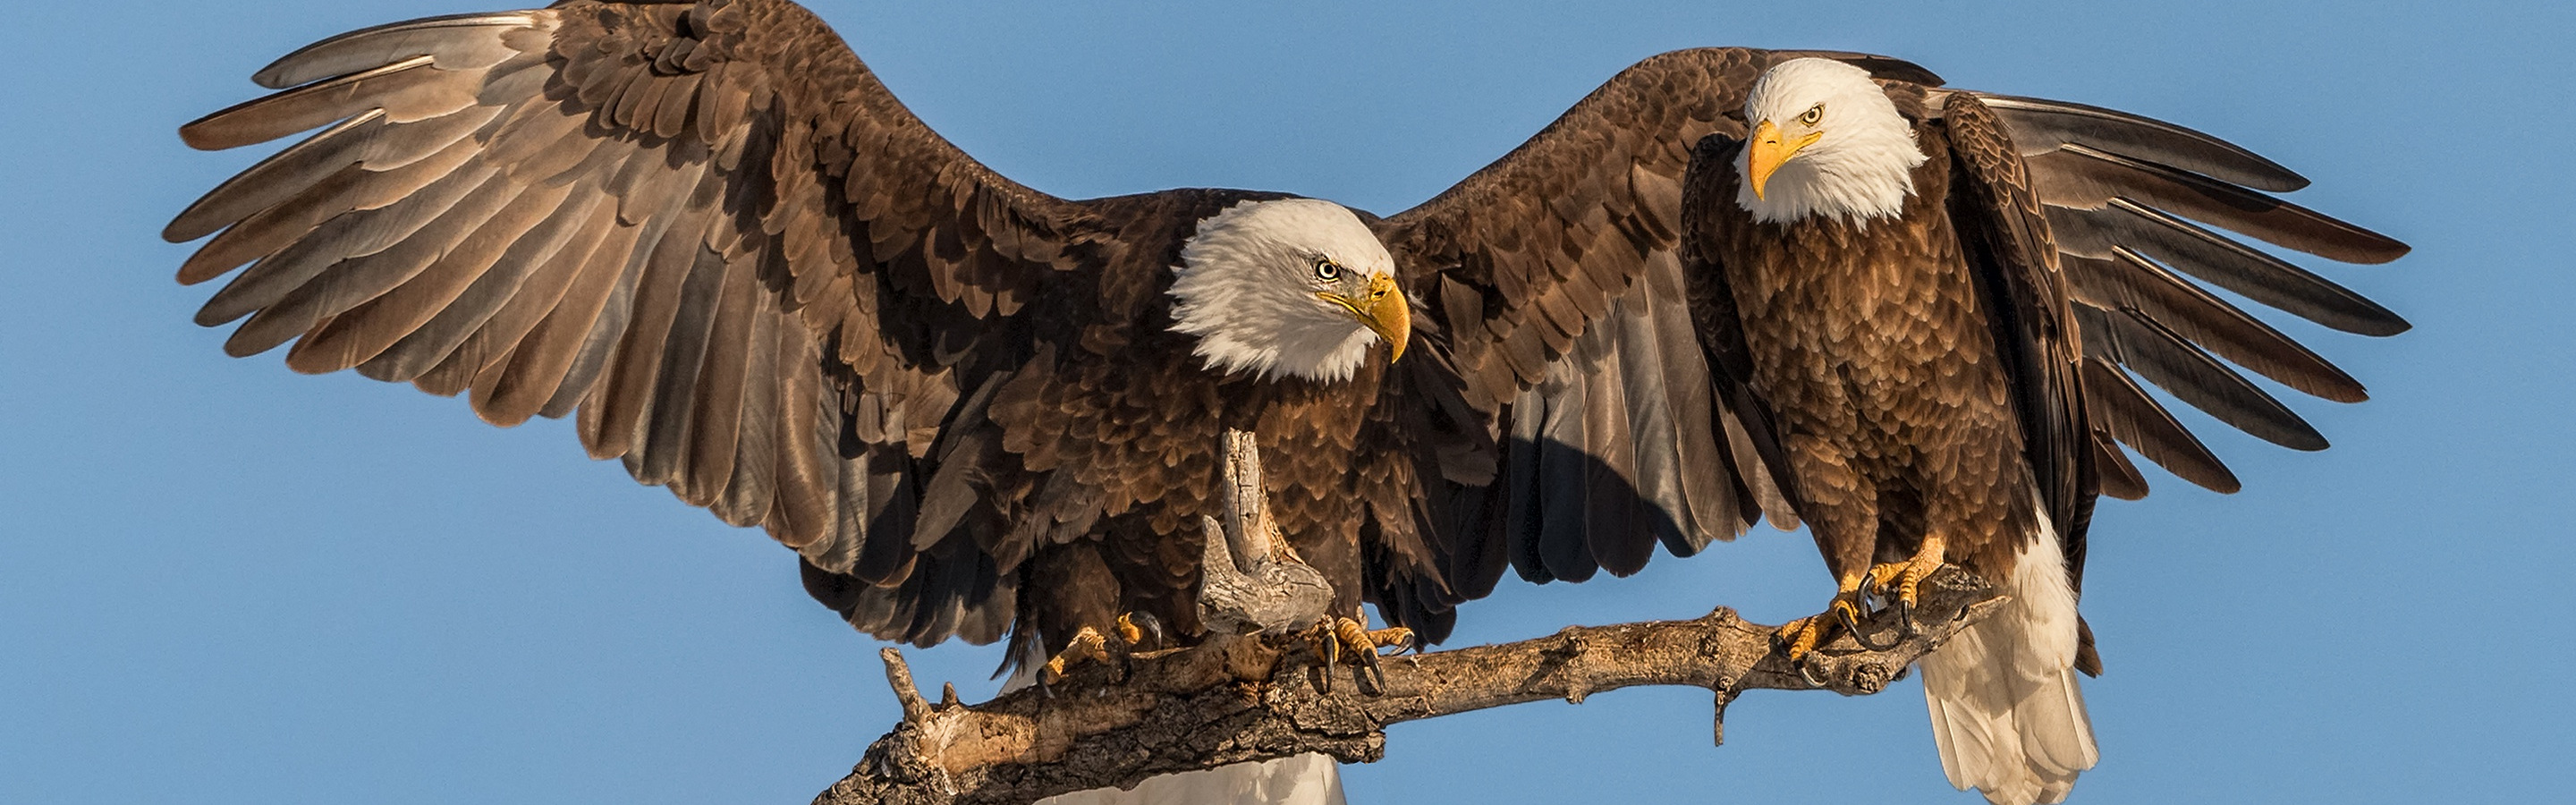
(646, 213)
(2004, 236)
(1598, 427)
(2074, 219)
(2120, 194)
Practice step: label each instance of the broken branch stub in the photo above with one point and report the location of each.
(1249, 581)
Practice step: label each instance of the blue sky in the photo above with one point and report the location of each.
(223, 582)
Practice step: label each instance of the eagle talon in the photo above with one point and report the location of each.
(1087, 644)
(1861, 636)
(1907, 577)
(1807, 676)
(1327, 649)
(1396, 637)
(1797, 638)
(1849, 617)
(1141, 631)
(1804, 635)
(1334, 636)
(1372, 679)
(1132, 630)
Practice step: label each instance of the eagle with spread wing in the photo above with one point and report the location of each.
(1729, 284)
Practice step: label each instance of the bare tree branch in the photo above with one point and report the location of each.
(1233, 699)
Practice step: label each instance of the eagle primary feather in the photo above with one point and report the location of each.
(706, 230)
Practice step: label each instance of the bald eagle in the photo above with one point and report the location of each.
(976, 410)
(1929, 297)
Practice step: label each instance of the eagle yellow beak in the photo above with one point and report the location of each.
(1383, 309)
(1769, 151)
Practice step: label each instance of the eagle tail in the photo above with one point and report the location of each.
(1299, 780)
(2006, 711)
(1309, 779)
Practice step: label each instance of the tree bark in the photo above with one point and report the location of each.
(1232, 699)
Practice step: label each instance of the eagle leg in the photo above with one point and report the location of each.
(1804, 634)
(1907, 577)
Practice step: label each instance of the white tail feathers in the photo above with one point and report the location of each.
(2006, 712)
(1301, 780)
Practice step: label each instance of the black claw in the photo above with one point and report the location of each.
(1809, 678)
(1372, 679)
(1862, 637)
(1152, 627)
(1332, 650)
(1850, 624)
(1411, 642)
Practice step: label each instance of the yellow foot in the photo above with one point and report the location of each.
(1334, 636)
(1364, 640)
(1140, 631)
(1087, 645)
(1905, 578)
(1132, 632)
(1805, 634)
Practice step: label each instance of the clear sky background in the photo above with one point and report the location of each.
(222, 582)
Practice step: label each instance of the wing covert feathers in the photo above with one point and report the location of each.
(2005, 235)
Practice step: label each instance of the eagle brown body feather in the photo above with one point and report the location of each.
(1870, 343)
(1096, 456)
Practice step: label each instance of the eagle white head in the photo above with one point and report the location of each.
(1826, 142)
(1297, 286)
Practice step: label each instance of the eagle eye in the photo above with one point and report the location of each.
(1814, 115)
(1327, 270)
